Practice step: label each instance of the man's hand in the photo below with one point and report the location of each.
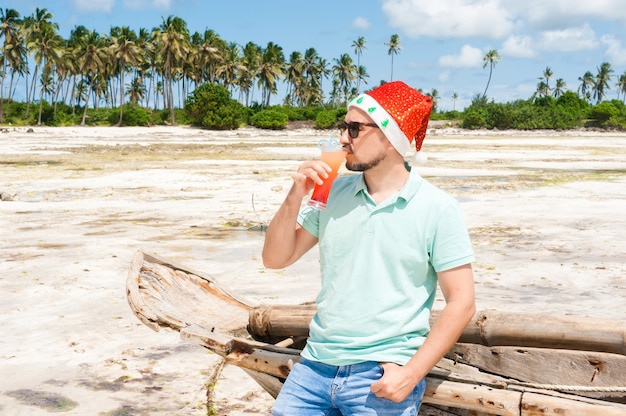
(309, 173)
(396, 383)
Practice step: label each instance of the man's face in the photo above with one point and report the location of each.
(368, 148)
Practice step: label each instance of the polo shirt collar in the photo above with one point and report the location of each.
(406, 193)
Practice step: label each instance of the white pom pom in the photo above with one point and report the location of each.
(420, 158)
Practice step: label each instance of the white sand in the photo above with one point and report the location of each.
(545, 209)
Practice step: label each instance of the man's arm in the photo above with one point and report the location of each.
(457, 286)
(285, 240)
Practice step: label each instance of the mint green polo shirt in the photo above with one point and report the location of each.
(378, 269)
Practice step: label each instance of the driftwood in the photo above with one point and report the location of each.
(543, 366)
(489, 328)
(165, 295)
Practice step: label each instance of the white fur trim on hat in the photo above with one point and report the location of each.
(420, 158)
(384, 120)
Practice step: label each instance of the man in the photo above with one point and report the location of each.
(386, 238)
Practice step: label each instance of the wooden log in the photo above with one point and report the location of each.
(543, 365)
(281, 320)
(564, 332)
(537, 404)
(489, 328)
(269, 365)
(472, 397)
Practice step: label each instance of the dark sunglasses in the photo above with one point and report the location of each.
(353, 127)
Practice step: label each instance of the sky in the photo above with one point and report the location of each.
(442, 42)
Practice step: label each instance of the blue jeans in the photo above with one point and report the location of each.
(316, 389)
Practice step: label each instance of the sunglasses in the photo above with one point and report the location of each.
(353, 127)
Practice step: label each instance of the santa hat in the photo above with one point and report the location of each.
(400, 111)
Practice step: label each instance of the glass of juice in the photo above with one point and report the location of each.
(334, 155)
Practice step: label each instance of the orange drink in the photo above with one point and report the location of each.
(334, 157)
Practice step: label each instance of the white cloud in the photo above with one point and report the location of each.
(95, 5)
(148, 4)
(569, 40)
(162, 4)
(361, 23)
(614, 50)
(518, 47)
(449, 18)
(469, 57)
(556, 14)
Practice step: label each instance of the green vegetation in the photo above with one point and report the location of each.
(171, 76)
(210, 106)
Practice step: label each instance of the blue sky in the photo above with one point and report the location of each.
(443, 42)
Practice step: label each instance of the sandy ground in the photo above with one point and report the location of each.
(545, 211)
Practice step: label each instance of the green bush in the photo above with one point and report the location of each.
(499, 116)
(326, 119)
(573, 104)
(210, 106)
(132, 115)
(448, 115)
(270, 119)
(604, 111)
(474, 118)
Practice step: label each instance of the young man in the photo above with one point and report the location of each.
(386, 238)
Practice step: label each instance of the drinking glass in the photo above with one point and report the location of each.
(334, 155)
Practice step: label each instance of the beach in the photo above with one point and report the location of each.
(545, 211)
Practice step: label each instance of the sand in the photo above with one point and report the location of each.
(545, 211)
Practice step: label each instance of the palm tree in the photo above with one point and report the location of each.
(394, 49)
(172, 45)
(270, 71)
(212, 49)
(547, 75)
(250, 61)
(136, 90)
(434, 96)
(361, 75)
(47, 50)
(559, 89)
(586, 84)
(314, 70)
(543, 90)
(602, 81)
(18, 61)
(455, 97)
(491, 58)
(124, 51)
(227, 71)
(71, 57)
(295, 78)
(92, 60)
(359, 47)
(10, 55)
(34, 26)
(344, 72)
(621, 86)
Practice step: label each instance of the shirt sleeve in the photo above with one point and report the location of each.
(451, 246)
(309, 219)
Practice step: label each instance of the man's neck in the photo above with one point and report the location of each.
(384, 181)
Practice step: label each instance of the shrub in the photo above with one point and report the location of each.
(132, 115)
(326, 119)
(604, 111)
(499, 116)
(573, 104)
(210, 106)
(474, 118)
(270, 119)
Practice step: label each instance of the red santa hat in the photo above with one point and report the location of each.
(400, 111)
